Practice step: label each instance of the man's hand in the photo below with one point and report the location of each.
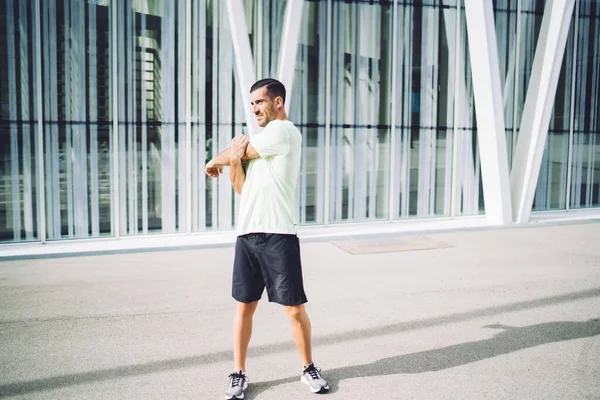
(238, 147)
(213, 169)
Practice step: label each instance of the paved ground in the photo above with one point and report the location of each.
(491, 314)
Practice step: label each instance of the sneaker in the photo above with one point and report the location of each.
(238, 382)
(312, 377)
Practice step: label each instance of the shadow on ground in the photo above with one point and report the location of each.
(433, 360)
(510, 340)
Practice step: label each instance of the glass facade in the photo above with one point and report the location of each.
(570, 171)
(111, 108)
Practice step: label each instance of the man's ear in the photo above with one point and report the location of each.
(279, 102)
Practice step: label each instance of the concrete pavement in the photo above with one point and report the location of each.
(487, 314)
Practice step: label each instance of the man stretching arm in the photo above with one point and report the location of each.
(267, 250)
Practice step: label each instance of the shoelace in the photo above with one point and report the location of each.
(236, 378)
(314, 372)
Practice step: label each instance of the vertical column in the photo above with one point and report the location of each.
(489, 109)
(123, 24)
(227, 61)
(69, 54)
(14, 215)
(25, 116)
(188, 116)
(92, 52)
(337, 94)
(199, 55)
(168, 118)
(455, 207)
(114, 167)
(405, 96)
(182, 147)
(78, 112)
(428, 104)
(289, 45)
(51, 118)
(244, 63)
(40, 117)
(538, 105)
(145, 62)
(323, 118)
(392, 204)
(328, 62)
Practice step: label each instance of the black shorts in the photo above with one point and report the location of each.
(268, 260)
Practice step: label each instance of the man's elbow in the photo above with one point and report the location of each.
(250, 153)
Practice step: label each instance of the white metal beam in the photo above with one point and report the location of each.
(189, 81)
(290, 38)
(37, 61)
(489, 109)
(538, 105)
(244, 62)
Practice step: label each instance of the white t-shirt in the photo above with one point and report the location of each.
(267, 203)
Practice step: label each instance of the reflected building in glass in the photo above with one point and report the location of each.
(111, 108)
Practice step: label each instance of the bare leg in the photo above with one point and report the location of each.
(301, 331)
(242, 331)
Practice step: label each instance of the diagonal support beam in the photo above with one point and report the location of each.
(244, 62)
(538, 105)
(489, 109)
(289, 45)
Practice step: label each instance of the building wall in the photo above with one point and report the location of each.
(110, 109)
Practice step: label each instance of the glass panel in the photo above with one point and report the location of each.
(551, 190)
(517, 31)
(272, 26)
(18, 184)
(18, 102)
(531, 14)
(360, 134)
(152, 136)
(265, 20)
(308, 111)
(585, 176)
(201, 109)
(425, 101)
(217, 114)
(76, 89)
(505, 20)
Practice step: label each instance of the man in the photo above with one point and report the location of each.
(267, 250)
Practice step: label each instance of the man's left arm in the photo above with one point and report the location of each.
(214, 167)
(237, 174)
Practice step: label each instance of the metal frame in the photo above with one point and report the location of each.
(188, 115)
(392, 176)
(115, 223)
(327, 194)
(455, 196)
(517, 75)
(490, 113)
(572, 111)
(41, 194)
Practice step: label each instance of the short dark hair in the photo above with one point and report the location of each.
(274, 87)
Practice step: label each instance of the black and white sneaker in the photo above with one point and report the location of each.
(238, 382)
(312, 377)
